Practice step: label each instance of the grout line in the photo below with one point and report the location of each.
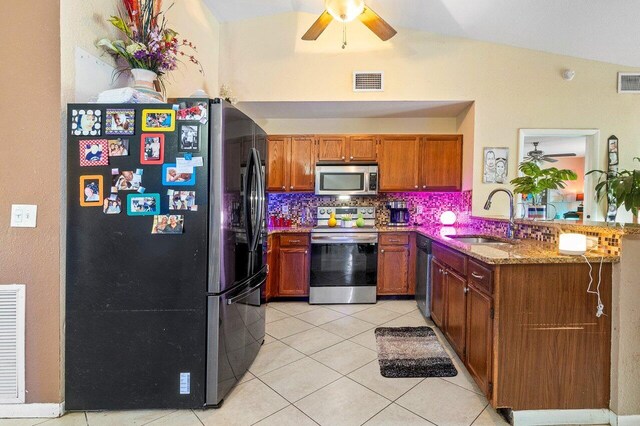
(165, 415)
(194, 413)
(482, 411)
(86, 418)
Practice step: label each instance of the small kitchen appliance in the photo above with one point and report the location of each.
(398, 213)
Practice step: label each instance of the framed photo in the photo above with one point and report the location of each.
(120, 122)
(182, 200)
(143, 204)
(94, 152)
(171, 176)
(127, 180)
(193, 111)
(91, 190)
(168, 224)
(495, 165)
(189, 137)
(152, 148)
(118, 147)
(158, 120)
(112, 205)
(86, 122)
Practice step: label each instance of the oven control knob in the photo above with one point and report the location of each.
(370, 211)
(322, 211)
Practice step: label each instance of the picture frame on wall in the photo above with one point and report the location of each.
(495, 165)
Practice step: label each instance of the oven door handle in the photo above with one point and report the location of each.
(344, 240)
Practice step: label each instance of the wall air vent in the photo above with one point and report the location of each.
(628, 82)
(368, 81)
(12, 316)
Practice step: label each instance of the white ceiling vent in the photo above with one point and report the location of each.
(12, 316)
(628, 82)
(368, 81)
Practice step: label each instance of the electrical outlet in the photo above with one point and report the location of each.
(285, 209)
(592, 242)
(23, 215)
(419, 209)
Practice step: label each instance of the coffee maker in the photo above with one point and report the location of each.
(398, 213)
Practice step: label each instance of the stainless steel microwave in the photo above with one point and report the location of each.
(342, 179)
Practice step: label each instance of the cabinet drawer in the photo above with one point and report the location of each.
(294, 240)
(452, 259)
(481, 276)
(401, 238)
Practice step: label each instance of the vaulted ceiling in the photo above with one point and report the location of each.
(603, 30)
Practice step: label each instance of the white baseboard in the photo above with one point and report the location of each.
(633, 420)
(561, 417)
(31, 410)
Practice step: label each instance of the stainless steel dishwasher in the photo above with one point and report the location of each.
(423, 275)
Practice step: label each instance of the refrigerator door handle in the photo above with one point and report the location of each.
(248, 213)
(259, 278)
(259, 198)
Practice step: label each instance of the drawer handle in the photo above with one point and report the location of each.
(351, 157)
(382, 251)
(294, 241)
(474, 275)
(394, 241)
(466, 290)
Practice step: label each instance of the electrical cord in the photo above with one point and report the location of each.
(600, 307)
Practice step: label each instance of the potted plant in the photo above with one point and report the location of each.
(347, 221)
(149, 47)
(620, 188)
(536, 180)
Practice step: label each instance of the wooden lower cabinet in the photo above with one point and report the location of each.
(438, 293)
(289, 259)
(479, 337)
(527, 333)
(396, 264)
(456, 311)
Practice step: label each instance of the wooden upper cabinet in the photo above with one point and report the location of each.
(302, 164)
(398, 163)
(363, 148)
(441, 162)
(332, 148)
(278, 148)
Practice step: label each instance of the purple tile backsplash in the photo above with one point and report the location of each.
(425, 208)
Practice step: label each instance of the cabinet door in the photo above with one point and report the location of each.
(393, 269)
(272, 261)
(277, 167)
(363, 148)
(441, 162)
(438, 294)
(456, 311)
(302, 164)
(293, 277)
(479, 337)
(398, 163)
(332, 148)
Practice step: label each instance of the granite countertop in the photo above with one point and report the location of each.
(512, 251)
(509, 253)
(573, 225)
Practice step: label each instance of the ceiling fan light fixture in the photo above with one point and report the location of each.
(344, 10)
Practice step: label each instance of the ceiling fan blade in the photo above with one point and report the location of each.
(562, 155)
(318, 27)
(548, 159)
(376, 24)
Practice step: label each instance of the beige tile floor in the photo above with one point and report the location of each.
(319, 366)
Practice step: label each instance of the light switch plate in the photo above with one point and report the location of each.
(285, 209)
(23, 215)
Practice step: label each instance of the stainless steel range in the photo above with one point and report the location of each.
(344, 261)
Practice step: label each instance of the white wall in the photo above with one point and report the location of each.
(513, 88)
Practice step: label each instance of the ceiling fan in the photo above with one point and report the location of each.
(539, 156)
(346, 11)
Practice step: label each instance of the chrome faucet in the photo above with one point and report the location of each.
(512, 224)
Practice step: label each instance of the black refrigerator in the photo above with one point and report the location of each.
(166, 253)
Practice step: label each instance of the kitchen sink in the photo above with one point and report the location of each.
(477, 240)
